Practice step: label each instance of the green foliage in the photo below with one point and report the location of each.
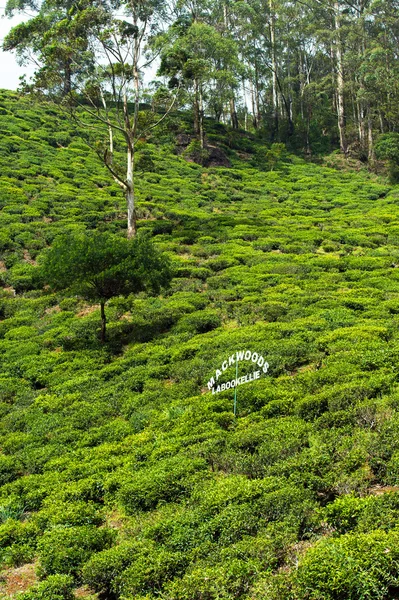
(352, 566)
(169, 481)
(55, 587)
(200, 322)
(103, 567)
(387, 148)
(118, 467)
(100, 266)
(195, 152)
(65, 549)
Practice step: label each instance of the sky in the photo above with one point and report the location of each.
(10, 71)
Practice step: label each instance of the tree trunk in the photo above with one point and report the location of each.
(196, 108)
(103, 322)
(245, 106)
(274, 69)
(361, 124)
(110, 132)
(67, 77)
(201, 118)
(340, 82)
(131, 213)
(252, 92)
(233, 114)
(371, 154)
(382, 128)
(333, 86)
(257, 100)
(301, 72)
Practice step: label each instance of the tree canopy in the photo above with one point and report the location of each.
(99, 266)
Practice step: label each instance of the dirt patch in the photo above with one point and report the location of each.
(52, 309)
(378, 490)
(10, 290)
(19, 579)
(87, 310)
(85, 592)
(244, 155)
(28, 258)
(216, 158)
(115, 520)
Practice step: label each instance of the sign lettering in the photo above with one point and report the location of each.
(239, 356)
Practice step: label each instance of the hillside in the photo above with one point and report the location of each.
(122, 476)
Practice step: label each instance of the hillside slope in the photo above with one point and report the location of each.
(119, 470)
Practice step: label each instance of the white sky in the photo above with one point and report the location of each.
(10, 71)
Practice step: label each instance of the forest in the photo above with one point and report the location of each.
(199, 301)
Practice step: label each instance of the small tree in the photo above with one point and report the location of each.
(92, 56)
(99, 266)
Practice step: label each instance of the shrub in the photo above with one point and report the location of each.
(355, 567)
(226, 581)
(343, 514)
(167, 482)
(100, 571)
(149, 572)
(55, 587)
(24, 277)
(65, 549)
(387, 148)
(199, 322)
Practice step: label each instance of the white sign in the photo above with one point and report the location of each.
(234, 359)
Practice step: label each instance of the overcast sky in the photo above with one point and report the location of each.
(10, 71)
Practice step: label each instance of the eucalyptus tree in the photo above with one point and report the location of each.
(197, 56)
(46, 39)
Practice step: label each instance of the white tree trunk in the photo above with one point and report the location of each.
(274, 65)
(340, 81)
(201, 117)
(110, 132)
(371, 154)
(131, 215)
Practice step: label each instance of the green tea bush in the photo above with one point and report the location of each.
(55, 587)
(199, 322)
(24, 277)
(168, 481)
(55, 512)
(65, 549)
(230, 580)
(149, 572)
(100, 571)
(18, 541)
(352, 566)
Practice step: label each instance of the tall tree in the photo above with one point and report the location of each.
(199, 57)
(49, 41)
(105, 90)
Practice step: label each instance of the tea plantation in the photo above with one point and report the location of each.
(122, 476)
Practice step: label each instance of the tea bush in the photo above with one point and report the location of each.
(55, 587)
(119, 469)
(65, 549)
